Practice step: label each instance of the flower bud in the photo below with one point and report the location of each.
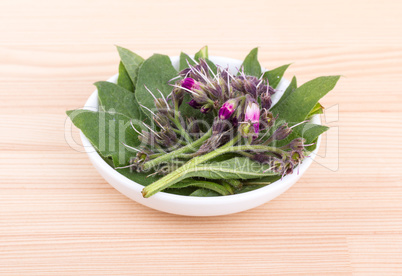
(282, 132)
(192, 126)
(267, 119)
(288, 169)
(219, 126)
(237, 84)
(266, 101)
(252, 115)
(147, 138)
(190, 84)
(178, 95)
(136, 163)
(161, 120)
(203, 67)
(142, 156)
(212, 143)
(163, 108)
(297, 144)
(296, 157)
(244, 129)
(206, 108)
(166, 137)
(278, 165)
(214, 91)
(194, 104)
(250, 86)
(184, 72)
(161, 105)
(262, 158)
(197, 92)
(200, 97)
(228, 108)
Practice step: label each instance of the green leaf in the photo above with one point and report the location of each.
(143, 179)
(292, 101)
(212, 66)
(113, 97)
(289, 90)
(202, 53)
(235, 183)
(204, 193)
(274, 76)
(131, 62)
(184, 192)
(107, 132)
(296, 107)
(311, 132)
(154, 73)
(308, 131)
(235, 168)
(263, 181)
(249, 188)
(254, 184)
(124, 79)
(250, 65)
(140, 178)
(201, 184)
(318, 109)
(184, 58)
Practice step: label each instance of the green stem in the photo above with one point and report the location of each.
(171, 155)
(182, 172)
(176, 121)
(159, 149)
(235, 183)
(152, 156)
(186, 155)
(182, 131)
(228, 187)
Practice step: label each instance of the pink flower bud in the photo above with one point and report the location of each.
(189, 84)
(253, 115)
(228, 108)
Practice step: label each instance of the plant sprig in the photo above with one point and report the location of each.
(202, 128)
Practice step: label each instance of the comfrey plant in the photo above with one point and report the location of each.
(202, 130)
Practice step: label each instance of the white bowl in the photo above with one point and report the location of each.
(196, 206)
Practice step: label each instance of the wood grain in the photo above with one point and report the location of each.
(59, 217)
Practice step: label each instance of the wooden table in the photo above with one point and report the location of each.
(58, 216)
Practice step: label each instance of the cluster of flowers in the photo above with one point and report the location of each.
(240, 105)
(236, 97)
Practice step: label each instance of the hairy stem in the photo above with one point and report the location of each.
(185, 170)
(171, 155)
(182, 131)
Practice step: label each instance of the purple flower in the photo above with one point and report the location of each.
(206, 108)
(194, 104)
(253, 115)
(266, 101)
(228, 108)
(282, 132)
(189, 84)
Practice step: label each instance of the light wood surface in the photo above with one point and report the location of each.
(59, 217)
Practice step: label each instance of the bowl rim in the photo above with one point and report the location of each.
(217, 200)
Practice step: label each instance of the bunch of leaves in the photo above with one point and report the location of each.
(117, 132)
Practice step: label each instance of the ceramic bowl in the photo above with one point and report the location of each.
(196, 206)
